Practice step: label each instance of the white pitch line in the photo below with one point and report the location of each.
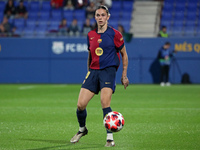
(26, 87)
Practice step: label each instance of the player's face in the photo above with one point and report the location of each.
(101, 17)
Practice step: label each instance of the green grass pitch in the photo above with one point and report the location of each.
(43, 117)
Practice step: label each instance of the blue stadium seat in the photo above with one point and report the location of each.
(68, 13)
(191, 15)
(40, 31)
(43, 24)
(33, 15)
(34, 5)
(2, 6)
(176, 32)
(189, 31)
(190, 23)
(126, 15)
(178, 23)
(56, 14)
(180, 7)
(166, 23)
(198, 31)
(179, 16)
(19, 31)
(126, 25)
(19, 23)
(54, 25)
(28, 32)
(46, 5)
(79, 15)
(116, 5)
(44, 14)
(127, 5)
(167, 16)
(30, 23)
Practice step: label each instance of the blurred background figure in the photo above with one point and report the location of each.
(74, 29)
(10, 10)
(6, 29)
(90, 10)
(56, 3)
(164, 56)
(82, 4)
(163, 32)
(21, 11)
(69, 4)
(87, 27)
(127, 36)
(63, 28)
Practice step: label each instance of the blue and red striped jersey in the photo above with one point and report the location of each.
(104, 48)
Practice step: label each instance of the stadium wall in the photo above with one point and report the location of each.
(64, 60)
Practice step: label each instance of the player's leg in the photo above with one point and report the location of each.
(107, 86)
(106, 94)
(85, 96)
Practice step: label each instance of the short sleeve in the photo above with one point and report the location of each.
(118, 40)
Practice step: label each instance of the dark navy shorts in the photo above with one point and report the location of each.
(95, 80)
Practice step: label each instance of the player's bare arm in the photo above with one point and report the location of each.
(89, 60)
(124, 78)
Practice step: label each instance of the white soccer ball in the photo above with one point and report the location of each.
(113, 121)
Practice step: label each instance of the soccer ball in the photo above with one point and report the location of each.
(113, 121)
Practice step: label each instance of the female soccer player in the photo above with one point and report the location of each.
(104, 45)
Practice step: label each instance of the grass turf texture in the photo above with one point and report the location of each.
(37, 117)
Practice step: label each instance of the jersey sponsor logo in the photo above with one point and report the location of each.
(121, 39)
(99, 51)
(91, 38)
(99, 40)
(58, 47)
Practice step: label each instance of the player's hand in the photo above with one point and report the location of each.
(125, 81)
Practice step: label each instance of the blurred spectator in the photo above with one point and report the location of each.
(87, 27)
(63, 28)
(56, 3)
(163, 32)
(82, 4)
(90, 10)
(165, 56)
(69, 4)
(74, 29)
(121, 29)
(21, 11)
(10, 10)
(127, 36)
(107, 3)
(6, 29)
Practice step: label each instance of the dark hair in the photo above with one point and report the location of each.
(167, 43)
(103, 7)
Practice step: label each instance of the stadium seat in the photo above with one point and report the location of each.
(40, 31)
(54, 25)
(125, 16)
(19, 23)
(43, 24)
(176, 32)
(2, 6)
(179, 16)
(178, 23)
(44, 14)
(167, 16)
(34, 5)
(30, 23)
(28, 32)
(56, 14)
(46, 5)
(33, 15)
(189, 31)
(117, 5)
(180, 7)
(79, 15)
(127, 5)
